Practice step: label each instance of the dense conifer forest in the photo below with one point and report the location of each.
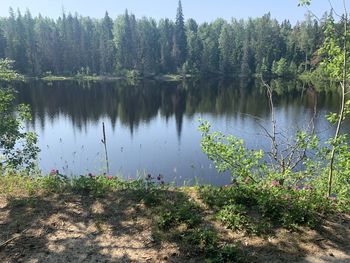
(73, 44)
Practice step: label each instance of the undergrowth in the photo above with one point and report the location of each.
(176, 217)
(258, 209)
(255, 209)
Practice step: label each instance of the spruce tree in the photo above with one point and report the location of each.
(2, 44)
(180, 39)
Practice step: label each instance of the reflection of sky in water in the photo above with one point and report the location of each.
(154, 129)
(153, 148)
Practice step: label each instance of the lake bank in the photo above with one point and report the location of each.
(105, 219)
(160, 78)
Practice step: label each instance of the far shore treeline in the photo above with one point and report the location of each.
(73, 44)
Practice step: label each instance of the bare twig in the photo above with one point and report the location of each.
(272, 135)
(4, 244)
(105, 145)
(334, 11)
(286, 152)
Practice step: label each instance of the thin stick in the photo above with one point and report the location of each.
(272, 135)
(105, 145)
(13, 238)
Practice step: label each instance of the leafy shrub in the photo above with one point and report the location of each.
(204, 241)
(272, 204)
(234, 217)
(17, 146)
(95, 185)
(201, 240)
(53, 183)
(229, 154)
(183, 213)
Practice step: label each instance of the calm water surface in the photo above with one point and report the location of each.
(153, 127)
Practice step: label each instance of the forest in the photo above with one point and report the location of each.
(73, 44)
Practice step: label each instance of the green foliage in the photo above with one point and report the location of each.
(180, 39)
(18, 147)
(97, 186)
(106, 47)
(280, 68)
(182, 219)
(234, 217)
(131, 75)
(304, 2)
(257, 208)
(7, 72)
(54, 183)
(332, 52)
(183, 213)
(202, 240)
(229, 154)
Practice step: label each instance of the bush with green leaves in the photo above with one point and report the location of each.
(182, 213)
(201, 240)
(18, 147)
(229, 154)
(256, 208)
(97, 186)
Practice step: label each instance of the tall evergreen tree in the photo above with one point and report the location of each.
(306, 39)
(2, 43)
(125, 41)
(166, 32)
(148, 46)
(180, 40)
(194, 45)
(247, 61)
(226, 46)
(107, 48)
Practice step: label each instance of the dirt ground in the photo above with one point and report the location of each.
(75, 228)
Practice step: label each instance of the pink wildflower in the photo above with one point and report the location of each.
(109, 177)
(275, 183)
(54, 172)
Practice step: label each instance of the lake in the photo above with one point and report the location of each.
(152, 127)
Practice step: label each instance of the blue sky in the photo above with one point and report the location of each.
(200, 10)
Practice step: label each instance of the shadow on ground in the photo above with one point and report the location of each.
(124, 226)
